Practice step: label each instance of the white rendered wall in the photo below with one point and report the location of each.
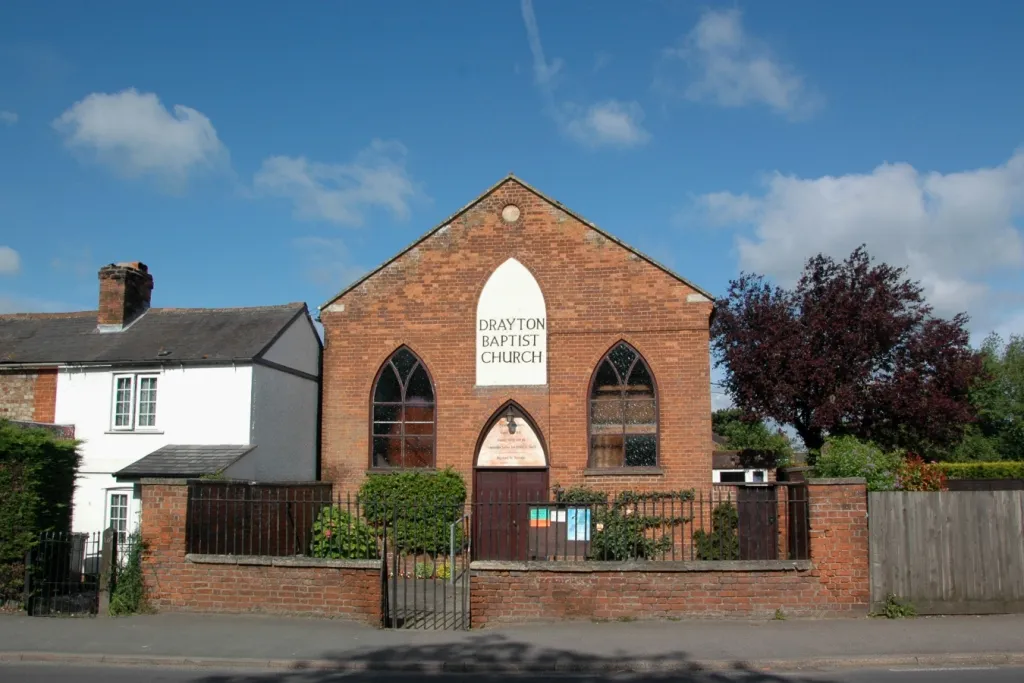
(283, 428)
(195, 405)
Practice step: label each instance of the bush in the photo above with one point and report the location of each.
(723, 541)
(129, 594)
(37, 481)
(622, 529)
(982, 470)
(339, 535)
(914, 474)
(846, 456)
(417, 508)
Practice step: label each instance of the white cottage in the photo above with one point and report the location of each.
(164, 392)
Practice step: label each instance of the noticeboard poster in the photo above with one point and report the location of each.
(578, 523)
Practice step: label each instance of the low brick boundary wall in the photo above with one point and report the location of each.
(176, 581)
(834, 582)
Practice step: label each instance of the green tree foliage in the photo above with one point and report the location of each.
(998, 399)
(846, 456)
(37, 481)
(417, 508)
(745, 433)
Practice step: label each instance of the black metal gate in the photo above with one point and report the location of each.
(62, 576)
(426, 582)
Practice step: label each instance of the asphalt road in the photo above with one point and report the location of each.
(53, 673)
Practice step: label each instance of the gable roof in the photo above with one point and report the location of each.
(550, 200)
(160, 335)
(176, 460)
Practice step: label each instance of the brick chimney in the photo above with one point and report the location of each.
(125, 289)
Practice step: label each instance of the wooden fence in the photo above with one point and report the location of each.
(955, 552)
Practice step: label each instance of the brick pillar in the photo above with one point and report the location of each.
(44, 398)
(839, 541)
(164, 508)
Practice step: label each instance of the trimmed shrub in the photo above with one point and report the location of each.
(846, 456)
(914, 474)
(982, 470)
(339, 535)
(723, 541)
(37, 482)
(623, 529)
(417, 508)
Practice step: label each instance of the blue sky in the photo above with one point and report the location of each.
(256, 153)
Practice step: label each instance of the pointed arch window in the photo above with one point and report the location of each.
(404, 415)
(623, 411)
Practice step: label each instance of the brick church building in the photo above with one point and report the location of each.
(525, 347)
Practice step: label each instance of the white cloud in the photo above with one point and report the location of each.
(8, 118)
(610, 123)
(953, 231)
(328, 261)
(10, 262)
(731, 68)
(341, 193)
(135, 134)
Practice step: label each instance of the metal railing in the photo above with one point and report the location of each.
(63, 574)
(724, 523)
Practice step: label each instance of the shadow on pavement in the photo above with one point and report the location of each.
(494, 658)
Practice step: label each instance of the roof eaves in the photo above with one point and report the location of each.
(551, 200)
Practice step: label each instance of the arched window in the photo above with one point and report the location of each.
(403, 413)
(623, 411)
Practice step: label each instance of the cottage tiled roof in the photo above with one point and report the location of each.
(184, 461)
(159, 335)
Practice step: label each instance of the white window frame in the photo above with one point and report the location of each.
(127, 493)
(748, 476)
(134, 402)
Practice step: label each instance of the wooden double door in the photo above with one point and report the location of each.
(502, 499)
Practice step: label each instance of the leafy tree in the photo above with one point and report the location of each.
(846, 456)
(745, 433)
(852, 349)
(999, 401)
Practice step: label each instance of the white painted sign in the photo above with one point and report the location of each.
(511, 329)
(502, 449)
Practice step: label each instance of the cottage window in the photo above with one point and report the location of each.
(623, 411)
(404, 416)
(134, 404)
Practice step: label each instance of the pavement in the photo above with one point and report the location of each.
(283, 643)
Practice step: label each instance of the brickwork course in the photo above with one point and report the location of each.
(597, 291)
(834, 583)
(29, 395)
(175, 583)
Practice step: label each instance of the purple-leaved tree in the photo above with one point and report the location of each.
(853, 349)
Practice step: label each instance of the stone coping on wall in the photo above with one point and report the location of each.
(692, 566)
(837, 481)
(269, 561)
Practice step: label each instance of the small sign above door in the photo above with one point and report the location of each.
(518, 447)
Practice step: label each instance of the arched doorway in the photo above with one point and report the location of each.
(509, 478)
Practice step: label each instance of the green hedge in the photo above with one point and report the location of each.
(37, 482)
(417, 508)
(982, 470)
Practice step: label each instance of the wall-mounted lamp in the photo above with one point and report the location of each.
(511, 419)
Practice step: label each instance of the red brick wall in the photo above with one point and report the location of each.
(28, 395)
(834, 583)
(176, 584)
(596, 292)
